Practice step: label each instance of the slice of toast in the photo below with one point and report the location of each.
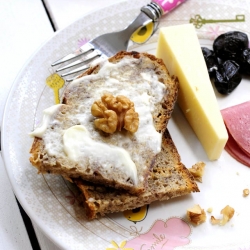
(169, 178)
(122, 159)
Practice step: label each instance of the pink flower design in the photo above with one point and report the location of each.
(82, 41)
(166, 235)
(214, 31)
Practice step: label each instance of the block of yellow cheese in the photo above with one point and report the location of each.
(180, 50)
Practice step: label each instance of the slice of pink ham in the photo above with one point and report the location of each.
(237, 121)
(236, 152)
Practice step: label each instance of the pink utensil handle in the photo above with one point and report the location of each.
(168, 5)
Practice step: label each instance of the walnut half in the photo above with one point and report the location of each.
(115, 113)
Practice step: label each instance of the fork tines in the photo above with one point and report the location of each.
(82, 50)
(93, 54)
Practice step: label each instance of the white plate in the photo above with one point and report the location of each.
(53, 203)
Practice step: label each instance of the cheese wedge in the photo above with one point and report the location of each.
(180, 50)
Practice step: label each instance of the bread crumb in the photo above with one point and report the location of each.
(197, 170)
(245, 192)
(210, 210)
(196, 215)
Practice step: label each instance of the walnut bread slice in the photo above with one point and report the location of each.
(108, 129)
(169, 178)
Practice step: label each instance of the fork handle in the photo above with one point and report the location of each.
(168, 5)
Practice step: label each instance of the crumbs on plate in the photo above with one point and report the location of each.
(227, 214)
(245, 192)
(196, 215)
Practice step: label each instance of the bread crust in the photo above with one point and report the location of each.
(42, 161)
(169, 178)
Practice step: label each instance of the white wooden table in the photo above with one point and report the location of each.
(24, 26)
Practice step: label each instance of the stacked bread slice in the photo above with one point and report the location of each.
(169, 178)
(116, 170)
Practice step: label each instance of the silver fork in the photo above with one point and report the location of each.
(109, 44)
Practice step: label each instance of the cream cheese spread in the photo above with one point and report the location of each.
(48, 115)
(143, 89)
(77, 144)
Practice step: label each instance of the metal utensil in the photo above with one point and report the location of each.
(109, 44)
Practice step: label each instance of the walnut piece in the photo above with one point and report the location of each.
(245, 192)
(197, 170)
(227, 212)
(214, 221)
(115, 113)
(131, 121)
(196, 215)
(108, 123)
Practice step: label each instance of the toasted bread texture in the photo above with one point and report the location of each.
(169, 178)
(142, 78)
